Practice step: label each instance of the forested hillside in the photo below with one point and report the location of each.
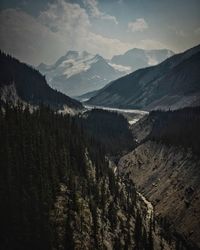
(179, 128)
(110, 129)
(59, 192)
(30, 85)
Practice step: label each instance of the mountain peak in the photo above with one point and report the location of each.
(98, 57)
(137, 58)
(72, 53)
(78, 72)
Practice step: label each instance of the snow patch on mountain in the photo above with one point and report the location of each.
(151, 60)
(121, 68)
(79, 72)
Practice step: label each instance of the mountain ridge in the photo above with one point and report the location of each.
(143, 89)
(78, 72)
(139, 58)
(20, 82)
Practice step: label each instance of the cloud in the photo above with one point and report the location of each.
(120, 1)
(178, 32)
(64, 17)
(152, 44)
(106, 46)
(197, 31)
(139, 25)
(25, 38)
(60, 27)
(72, 23)
(92, 7)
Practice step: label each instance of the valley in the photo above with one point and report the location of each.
(100, 141)
(118, 178)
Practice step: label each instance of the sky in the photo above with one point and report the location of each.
(38, 31)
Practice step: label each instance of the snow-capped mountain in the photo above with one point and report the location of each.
(140, 58)
(79, 72)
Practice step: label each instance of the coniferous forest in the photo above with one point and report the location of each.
(110, 129)
(58, 190)
(179, 127)
(40, 150)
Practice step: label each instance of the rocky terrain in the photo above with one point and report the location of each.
(167, 173)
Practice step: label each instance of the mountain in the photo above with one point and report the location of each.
(165, 169)
(140, 58)
(79, 72)
(20, 82)
(173, 83)
(85, 97)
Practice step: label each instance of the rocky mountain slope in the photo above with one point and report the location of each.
(20, 82)
(172, 84)
(79, 72)
(165, 169)
(140, 58)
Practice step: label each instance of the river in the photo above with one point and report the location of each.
(132, 115)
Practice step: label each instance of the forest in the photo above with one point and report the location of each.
(178, 127)
(50, 168)
(110, 129)
(30, 85)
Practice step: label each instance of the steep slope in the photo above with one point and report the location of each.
(59, 192)
(85, 97)
(79, 72)
(140, 58)
(172, 84)
(165, 169)
(169, 178)
(19, 81)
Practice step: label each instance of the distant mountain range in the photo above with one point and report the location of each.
(140, 58)
(20, 82)
(173, 83)
(77, 73)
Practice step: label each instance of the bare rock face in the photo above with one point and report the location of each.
(169, 177)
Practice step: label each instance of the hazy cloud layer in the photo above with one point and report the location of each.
(24, 37)
(56, 26)
(92, 6)
(139, 25)
(61, 27)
